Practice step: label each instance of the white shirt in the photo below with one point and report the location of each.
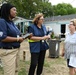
(70, 44)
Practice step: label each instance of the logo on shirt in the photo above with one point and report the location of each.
(1, 33)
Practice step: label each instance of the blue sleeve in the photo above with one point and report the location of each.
(3, 29)
(44, 28)
(30, 30)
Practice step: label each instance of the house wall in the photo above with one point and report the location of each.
(56, 26)
(67, 29)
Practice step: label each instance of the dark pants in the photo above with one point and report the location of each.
(37, 59)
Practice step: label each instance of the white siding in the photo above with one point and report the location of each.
(67, 29)
(55, 27)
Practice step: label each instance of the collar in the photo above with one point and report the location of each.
(75, 32)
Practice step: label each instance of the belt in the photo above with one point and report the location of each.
(8, 47)
(33, 40)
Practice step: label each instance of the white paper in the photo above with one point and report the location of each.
(72, 61)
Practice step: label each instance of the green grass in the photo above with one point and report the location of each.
(46, 64)
(22, 67)
(22, 71)
(1, 71)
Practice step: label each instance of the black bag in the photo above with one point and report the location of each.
(44, 45)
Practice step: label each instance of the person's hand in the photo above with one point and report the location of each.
(46, 37)
(21, 39)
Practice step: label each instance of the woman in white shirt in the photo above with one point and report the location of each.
(69, 50)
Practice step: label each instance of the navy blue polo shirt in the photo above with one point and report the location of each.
(8, 29)
(36, 47)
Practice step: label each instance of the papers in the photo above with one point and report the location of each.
(72, 61)
(27, 35)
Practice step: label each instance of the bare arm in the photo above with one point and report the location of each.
(39, 38)
(12, 39)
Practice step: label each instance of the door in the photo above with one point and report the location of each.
(63, 28)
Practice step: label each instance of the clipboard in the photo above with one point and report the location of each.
(72, 61)
(27, 35)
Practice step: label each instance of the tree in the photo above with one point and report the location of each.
(63, 9)
(28, 8)
(46, 9)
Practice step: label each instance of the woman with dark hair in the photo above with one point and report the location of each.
(38, 45)
(9, 39)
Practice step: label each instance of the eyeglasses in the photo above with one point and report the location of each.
(41, 19)
(70, 24)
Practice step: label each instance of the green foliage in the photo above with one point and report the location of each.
(63, 9)
(46, 9)
(28, 8)
(53, 35)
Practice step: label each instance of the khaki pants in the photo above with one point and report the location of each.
(9, 60)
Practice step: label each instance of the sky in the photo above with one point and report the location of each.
(55, 2)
